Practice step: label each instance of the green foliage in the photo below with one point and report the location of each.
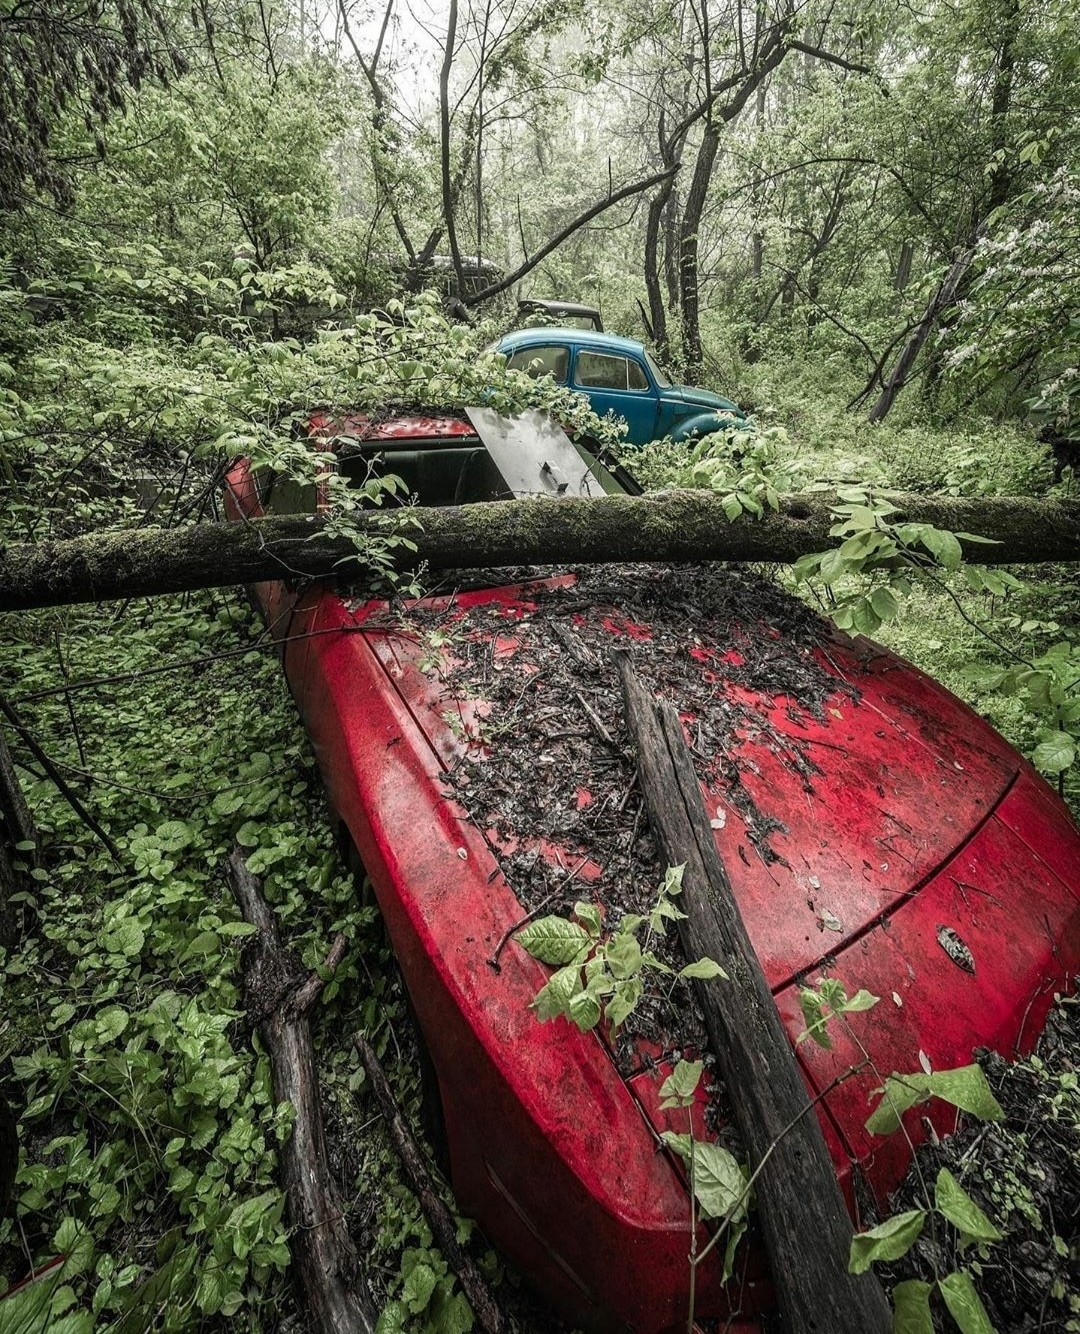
(965, 1088)
(829, 1001)
(149, 1126)
(600, 978)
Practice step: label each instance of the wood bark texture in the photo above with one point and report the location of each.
(441, 1221)
(279, 994)
(802, 1213)
(662, 526)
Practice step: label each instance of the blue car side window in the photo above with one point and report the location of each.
(602, 370)
(537, 361)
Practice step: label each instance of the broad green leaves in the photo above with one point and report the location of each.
(601, 978)
(555, 940)
(966, 1088)
(955, 1204)
(888, 1241)
(892, 1239)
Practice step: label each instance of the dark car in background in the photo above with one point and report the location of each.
(570, 314)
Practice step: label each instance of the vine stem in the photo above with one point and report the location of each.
(725, 1222)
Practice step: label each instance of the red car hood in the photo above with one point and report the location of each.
(832, 821)
(856, 817)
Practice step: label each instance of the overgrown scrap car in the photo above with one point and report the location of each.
(619, 375)
(874, 829)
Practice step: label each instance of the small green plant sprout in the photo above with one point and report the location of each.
(829, 1001)
(894, 1238)
(719, 1183)
(604, 979)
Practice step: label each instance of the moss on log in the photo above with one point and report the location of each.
(664, 526)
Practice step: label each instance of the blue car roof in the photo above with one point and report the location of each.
(548, 337)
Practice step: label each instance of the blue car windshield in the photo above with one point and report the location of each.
(662, 382)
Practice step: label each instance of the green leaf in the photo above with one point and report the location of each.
(900, 1093)
(964, 1303)
(888, 1241)
(966, 1088)
(719, 1181)
(590, 915)
(732, 507)
(954, 1203)
(884, 603)
(454, 1316)
(111, 1023)
(584, 1010)
(680, 1086)
(124, 937)
(418, 1287)
(833, 566)
(554, 997)
(393, 1318)
(173, 835)
(237, 929)
(703, 968)
(74, 1241)
(1055, 753)
(248, 834)
(911, 1304)
(623, 954)
(553, 940)
(624, 1001)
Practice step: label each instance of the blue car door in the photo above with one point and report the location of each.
(618, 383)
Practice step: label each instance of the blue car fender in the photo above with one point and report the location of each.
(704, 423)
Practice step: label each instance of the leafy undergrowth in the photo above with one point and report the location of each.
(1023, 1171)
(148, 1128)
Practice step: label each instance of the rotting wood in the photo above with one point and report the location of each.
(441, 1221)
(803, 1217)
(675, 525)
(279, 994)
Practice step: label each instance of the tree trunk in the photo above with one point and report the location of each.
(664, 526)
(800, 1207)
(689, 307)
(658, 207)
(942, 299)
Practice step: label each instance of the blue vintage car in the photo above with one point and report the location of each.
(618, 375)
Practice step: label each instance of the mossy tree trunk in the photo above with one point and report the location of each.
(665, 526)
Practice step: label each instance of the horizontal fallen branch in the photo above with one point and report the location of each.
(664, 526)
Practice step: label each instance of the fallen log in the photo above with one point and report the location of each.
(279, 994)
(441, 1221)
(662, 526)
(801, 1210)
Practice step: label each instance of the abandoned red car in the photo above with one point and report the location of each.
(471, 742)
